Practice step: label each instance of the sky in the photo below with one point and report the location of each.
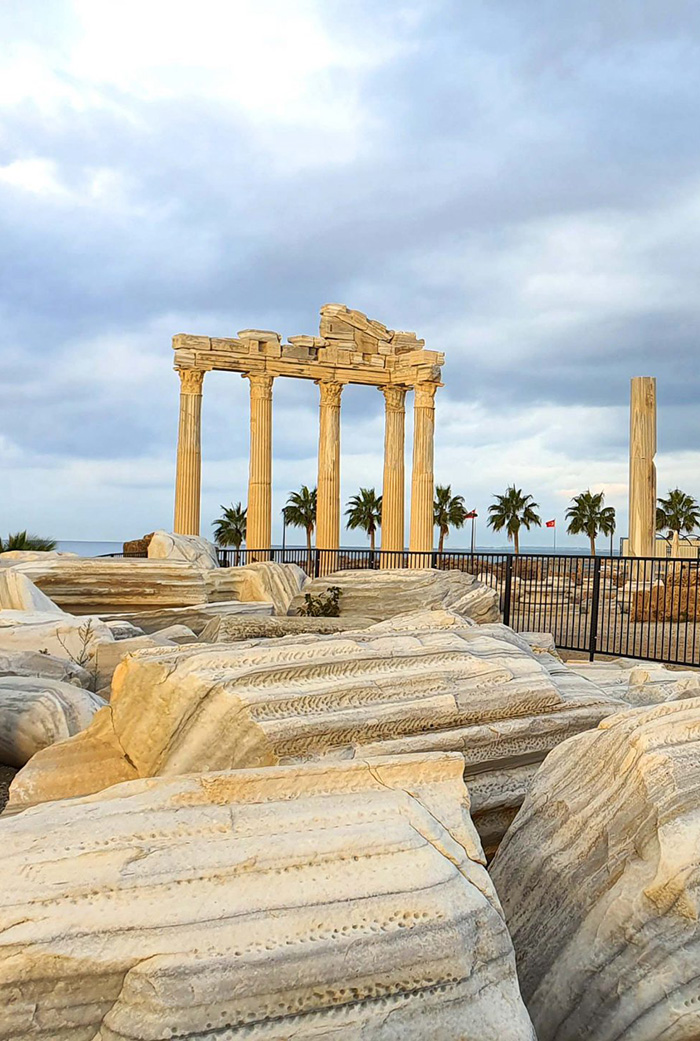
(516, 181)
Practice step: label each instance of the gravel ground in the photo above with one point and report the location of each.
(677, 643)
(6, 775)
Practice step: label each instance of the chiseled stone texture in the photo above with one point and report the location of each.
(387, 592)
(122, 630)
(35, 712)
(600, 881)
(263, 581)
(427, 681)
(346, 900)
(233, 628)
(193, 549)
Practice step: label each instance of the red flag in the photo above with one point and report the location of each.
(550, 524)
(471, 515)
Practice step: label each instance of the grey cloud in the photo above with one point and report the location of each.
(488, 122)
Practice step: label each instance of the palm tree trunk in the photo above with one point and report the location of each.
(516, 542)
(371, 540)
(442, 540)
(309, 567)
(676, 544)
(592, 538)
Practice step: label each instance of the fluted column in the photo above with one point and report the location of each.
(328, 501)
(259, 518)
(421, 540)
(642, 486)
(394, 479)
(188, 477)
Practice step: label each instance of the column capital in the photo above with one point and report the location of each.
(394, 397)
(425, 394)
(330, 392)
(260, 384)
(191, 380)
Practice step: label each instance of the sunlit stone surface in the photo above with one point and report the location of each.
(427, 681)
(600, 881)
(345, 900)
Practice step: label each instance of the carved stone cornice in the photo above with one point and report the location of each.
(191, 380)
(330, 393)
(260, 385)
(425, 395)
(394, 398)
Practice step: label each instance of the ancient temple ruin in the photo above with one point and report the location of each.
(350, 348)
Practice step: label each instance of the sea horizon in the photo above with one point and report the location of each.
(100, 548)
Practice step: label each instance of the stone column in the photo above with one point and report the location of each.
(188, 477)
(394, 480)
(328, 501)
(642, 489)
(259, 518)
(422, 491)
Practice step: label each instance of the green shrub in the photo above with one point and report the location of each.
(325, 605)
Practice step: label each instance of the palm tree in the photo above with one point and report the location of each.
(588, 515)
(677, 512)
(300, 512)
(230, 528)
(449, 511)
(511, 511)
(21, 540)
(365, 512)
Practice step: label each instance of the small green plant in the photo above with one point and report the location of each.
(85, 655)
(325, 605)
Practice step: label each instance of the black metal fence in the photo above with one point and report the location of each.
(631, 607)
(323, 561)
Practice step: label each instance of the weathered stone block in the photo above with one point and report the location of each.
(165, 909)
(191, 549)
(96, 586)
(599, 877)
(391, 591)
(429, 681)
(35, 712)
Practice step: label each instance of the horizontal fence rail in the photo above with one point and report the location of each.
(627, 607)
(630, 607)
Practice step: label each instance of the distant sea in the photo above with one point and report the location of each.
(98, 549)
(89, 549)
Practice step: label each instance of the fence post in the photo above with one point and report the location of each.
(595, 605)
(507, 590)
(317, 563)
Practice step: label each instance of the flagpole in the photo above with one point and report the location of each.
(555, 535)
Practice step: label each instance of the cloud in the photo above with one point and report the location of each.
(516, 182)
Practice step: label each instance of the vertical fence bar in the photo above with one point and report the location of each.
(507, 590)
(595, 604)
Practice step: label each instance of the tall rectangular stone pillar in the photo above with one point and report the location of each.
(394, 479)
(642, 486)
(188, 476)
(422, 481)
(259, 516)
(328, 499)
